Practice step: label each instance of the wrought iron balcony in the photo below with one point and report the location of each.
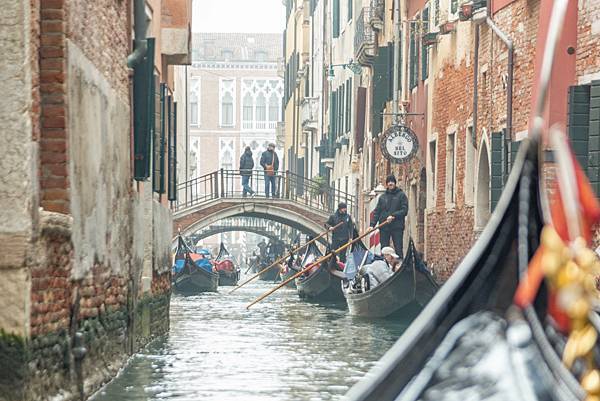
(377, 14)
(309, 113)
(365, 39)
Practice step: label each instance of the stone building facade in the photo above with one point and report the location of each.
(86, 249)
(467, 99)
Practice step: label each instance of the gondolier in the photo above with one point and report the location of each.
(343, 233)
(391, 205)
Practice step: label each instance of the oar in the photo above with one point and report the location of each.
(283, 258)
(316, 263)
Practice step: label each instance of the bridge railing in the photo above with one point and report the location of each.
(222, 184)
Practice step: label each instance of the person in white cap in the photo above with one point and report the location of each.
(381, 269)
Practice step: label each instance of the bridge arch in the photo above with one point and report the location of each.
(194, 219)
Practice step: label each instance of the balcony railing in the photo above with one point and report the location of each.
(365, 41)
(309, 112)
(377, 16)
(258, 125)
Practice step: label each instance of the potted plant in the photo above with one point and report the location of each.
(447, 27)
(429, 38)
(319, 186)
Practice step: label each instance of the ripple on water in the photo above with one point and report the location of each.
(282, 349)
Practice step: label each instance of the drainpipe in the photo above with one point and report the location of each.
(396, 57)
(475, 88)
(509, 85)
(140, 34)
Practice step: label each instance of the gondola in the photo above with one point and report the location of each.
(192, 276)
(229, 274)
(477, 299)
(269, 275)
(322, 284)
(287, 270)
(409, 284)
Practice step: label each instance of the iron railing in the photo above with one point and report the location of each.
(227, 184)
(365, 46)
(377, 15)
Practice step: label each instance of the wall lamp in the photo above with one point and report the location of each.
(352, 66)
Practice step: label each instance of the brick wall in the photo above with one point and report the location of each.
(54, 178)
(588, 34)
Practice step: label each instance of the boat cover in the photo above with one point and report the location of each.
(355, 257)
(484, 358)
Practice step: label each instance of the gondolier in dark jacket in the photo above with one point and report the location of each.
(270, 163)
(392, 205)
(246, 166)
(342, 234)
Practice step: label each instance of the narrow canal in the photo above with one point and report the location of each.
(281, 349)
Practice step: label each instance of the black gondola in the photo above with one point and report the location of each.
(229, 273)
(479, 296)
(320, 285)
(409, 284)
(191, 278)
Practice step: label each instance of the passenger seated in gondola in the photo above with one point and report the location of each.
(380, 270)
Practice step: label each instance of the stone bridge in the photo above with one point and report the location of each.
(300, 203)
(274, 231)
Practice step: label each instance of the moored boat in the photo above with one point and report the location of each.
(321, 284)
(407, 285)
(229, 274)
(193, 273)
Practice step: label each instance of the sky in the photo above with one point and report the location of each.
(254, 16)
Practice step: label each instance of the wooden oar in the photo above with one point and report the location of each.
(283, 258)
(316, 263)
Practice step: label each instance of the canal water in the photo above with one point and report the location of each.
(281, 349)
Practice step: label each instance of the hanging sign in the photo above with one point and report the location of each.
(399, 144)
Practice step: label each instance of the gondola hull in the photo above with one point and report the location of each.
(229, 278)
(285, 276)
(269, 275)
(197, 282)
(393, 294)
(320, 286)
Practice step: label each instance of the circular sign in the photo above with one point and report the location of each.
(399, 144)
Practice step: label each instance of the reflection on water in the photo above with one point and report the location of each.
(281, 349)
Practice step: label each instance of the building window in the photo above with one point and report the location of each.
(453, 11)
(227, 55)
(260, 56)
(349, 10)
(432, 177)
(451, 169)
(261, 104)
(436, 13)
(424, 49)
(227, 97)
(413, 56)
(469, 167)
(482, 207)
(195, 102)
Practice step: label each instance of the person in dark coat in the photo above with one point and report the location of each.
(392, 205)
(270, 163)
(246, 166)
(342, 234)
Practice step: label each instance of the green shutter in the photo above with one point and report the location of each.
(172, 187)
(161, 115)
(413, 57)
(381, 83)
(579, 122)
(498, 170)
(333, 128)
(143, 106)
(349, 108)
(424, 50)
(593, 166)
(349, 10)
(336, 18)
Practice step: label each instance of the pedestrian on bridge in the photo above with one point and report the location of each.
(270, 163)
(392, 205)
(342, 234)
(246, 166)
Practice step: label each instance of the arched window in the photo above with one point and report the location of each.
(227, 110)
(482, 207)
(247, 112)
(261, 111)
(273, 108)
(195, 102)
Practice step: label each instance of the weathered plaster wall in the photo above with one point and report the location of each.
(18, 155)
(99, 168)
